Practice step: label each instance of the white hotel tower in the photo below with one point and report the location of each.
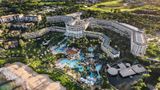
(138, 39)
(138, 43)
(76, 27)
(136, 36)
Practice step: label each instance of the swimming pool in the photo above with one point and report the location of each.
(90, 49)
(58, 49)
(88, 71)
(72, 64)
(98, 67)
(75, 64)
(82, 56)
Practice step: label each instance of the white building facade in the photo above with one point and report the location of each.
(20, 18)
(105, 44)
(138, 44)
(75, 27)
(137, 37)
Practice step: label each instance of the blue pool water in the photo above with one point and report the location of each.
(64, 61)
(90, 49)
(72, 64)
(88, 68)
(82, 57)
(61, 49)
(92, 75)
(76, 65)
(98, 67)
(81, 68)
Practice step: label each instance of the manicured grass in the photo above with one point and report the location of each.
(2, 61)
(117, 4)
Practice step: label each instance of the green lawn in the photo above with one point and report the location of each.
(118, 4)
(2, 61)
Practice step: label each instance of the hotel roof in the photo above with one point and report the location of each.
(130, 26)
(77, 14)
(112, 71)
(112, 50)
(138, 68)
(60, 18)
(137, 35)
(126, 72)
(139, 38)
(33, 79)
(121, 65)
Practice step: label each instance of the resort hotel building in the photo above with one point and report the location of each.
(138, 43)
(75, 27)
(137, 37)
(105, 43)
(20, 18)
(25, 77)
